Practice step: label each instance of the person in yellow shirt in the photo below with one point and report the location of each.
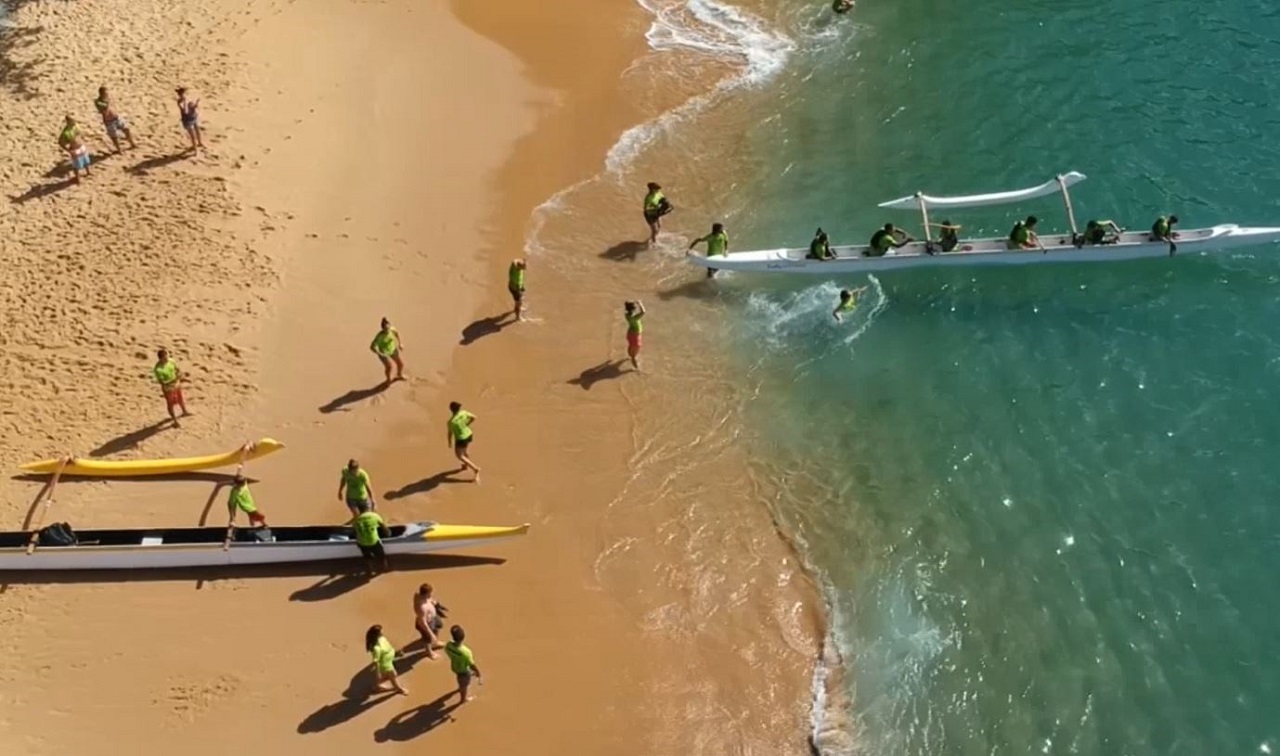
(515, 285)
(386, 345)
(370, 527)
(656, 205)
(69, 140)
(170, 380)
(633, 312)
(461, 661)
(241, 500)
(717, 244)
(355, 488)
(461, 436)
(384, 661)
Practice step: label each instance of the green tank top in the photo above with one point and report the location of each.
(515, 277)
(717, 244)
(653, 201)
(366, 526)
(1161, 226)
(635, 323)
(1020, 233)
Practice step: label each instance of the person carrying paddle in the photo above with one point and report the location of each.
(515, 285)
(384, 660)
(655, 206)
(885, 239)
(170, 380)
(355, 489)
(717, 244)
(461, 436)
(461, 661)
(820, 247)
(241, 500)
(1023, 235)
(369, 527)
(386, 345)
(1162, 230)
(848, 302)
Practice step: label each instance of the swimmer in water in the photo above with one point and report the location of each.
(842, 6)
(848, 302)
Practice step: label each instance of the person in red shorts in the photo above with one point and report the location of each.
(634, 313)
(170, 380)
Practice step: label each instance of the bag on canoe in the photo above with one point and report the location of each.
(57, 534)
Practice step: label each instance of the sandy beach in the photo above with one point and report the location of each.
(367, 159)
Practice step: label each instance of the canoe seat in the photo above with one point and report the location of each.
(152, 540)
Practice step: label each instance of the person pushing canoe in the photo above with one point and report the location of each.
(170, 380)
(717, 244)
(355, 489)
(370, 527)
(386, 345)
(461, 436)
(241, 500)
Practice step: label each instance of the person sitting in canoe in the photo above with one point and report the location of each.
(1162, 229)
(848, 302)
(1023, 235)
(820, 247)
(1100, 232)
(886, 239)
(948, 237)
(842, 6)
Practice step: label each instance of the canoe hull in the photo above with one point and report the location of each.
(416, 538)
(989, 252)
(132, 468)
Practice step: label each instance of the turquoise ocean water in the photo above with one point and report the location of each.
(1044, 502)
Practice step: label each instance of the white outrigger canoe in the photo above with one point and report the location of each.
(1058, 248)
(152, 548)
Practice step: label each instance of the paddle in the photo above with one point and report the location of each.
(48, 502)
(231, 518)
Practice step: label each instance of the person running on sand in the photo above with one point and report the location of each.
(634, 314)
(384, 660)
(241, 500)
(717, 244)
(848, 302)
(462, 661)
(190, 118)
(461, 436)
(515, 285)
(355, 489)
(170, 380)
(69, 140)
(369, 527)
(386, 344)
(428, 618)
(655, 206)
(115, 123)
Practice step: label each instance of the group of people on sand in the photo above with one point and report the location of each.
(429, 616)
(71, 139)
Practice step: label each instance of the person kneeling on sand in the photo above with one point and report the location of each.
(384, 660)
(462, 661)
(429, 618)
(461, 436)
(69, 140)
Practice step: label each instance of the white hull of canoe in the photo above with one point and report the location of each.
(1058, 249)
(169, 556)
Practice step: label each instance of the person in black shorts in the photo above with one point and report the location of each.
(515, 285)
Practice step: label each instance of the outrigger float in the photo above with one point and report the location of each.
(1056, 248)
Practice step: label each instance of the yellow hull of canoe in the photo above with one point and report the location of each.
(473, 532)
(128, 468)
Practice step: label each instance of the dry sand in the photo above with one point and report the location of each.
(366, 159)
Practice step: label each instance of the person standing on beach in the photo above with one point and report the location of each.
(515, 285)
(386, 344)
(384, 660)
(428, 614)
(241, 500)
(370, 527)
(355, 489)
(170, 380)
(634, 314)
(190, 118)
(78, 154)
(717, 244)
(115, 123)
(462, 661)
(461, 436)
(655, 206)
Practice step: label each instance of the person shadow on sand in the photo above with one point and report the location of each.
(361, 694)
(420, 720)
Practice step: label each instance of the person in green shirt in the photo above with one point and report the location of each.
(386, 345)
(461, 661)
(848, 302)
(1162, 230)
(384, 661)
(717, 244)
(633, 312)
(1101, 232)
(170, 380)
(369, 527)
(886, 239)
(820, 247)
(355, 489)
(515, 285)
(461, 436)
(241, 500)
(69, 140)
(655, 206)
(842, 6)
(1023, 235)
(948, 236)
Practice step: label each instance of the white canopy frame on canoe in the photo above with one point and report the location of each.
(1059, 184)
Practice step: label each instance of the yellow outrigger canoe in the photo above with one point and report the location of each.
(128, 468)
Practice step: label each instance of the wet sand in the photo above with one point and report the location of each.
(352, 174)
